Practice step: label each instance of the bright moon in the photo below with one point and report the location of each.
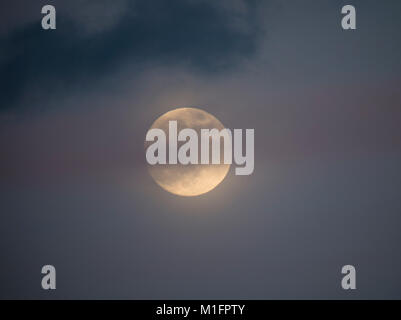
(192, 179)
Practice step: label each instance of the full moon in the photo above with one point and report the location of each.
(192, 179)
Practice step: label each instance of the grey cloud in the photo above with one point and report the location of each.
(198, 34)
(91, 15)
(97, 16)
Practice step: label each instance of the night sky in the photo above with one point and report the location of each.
(75, 106)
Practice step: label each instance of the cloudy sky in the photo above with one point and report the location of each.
(75, 105)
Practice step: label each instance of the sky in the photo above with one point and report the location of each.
(75, 106)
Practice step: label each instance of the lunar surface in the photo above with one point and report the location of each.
(192, 179)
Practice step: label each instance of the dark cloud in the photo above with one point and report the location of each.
(199, 34)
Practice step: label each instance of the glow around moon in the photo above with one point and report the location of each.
(192, 179)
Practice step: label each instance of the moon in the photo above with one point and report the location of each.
(193, 179)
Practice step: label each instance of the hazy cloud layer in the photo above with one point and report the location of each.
(76, 104)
